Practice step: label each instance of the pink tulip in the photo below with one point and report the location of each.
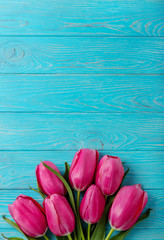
(29, 216)
(127, 207)
(83, 168)
(92, 205)
(48, 182)
(109, 174)
(60, 217)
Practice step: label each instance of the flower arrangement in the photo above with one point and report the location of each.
(104, 200)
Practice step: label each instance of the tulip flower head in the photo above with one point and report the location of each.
(127, 207)
(109, 174)
(60, 217)
(48, 182)
(92, 205)
(29, 216)
(83, 168)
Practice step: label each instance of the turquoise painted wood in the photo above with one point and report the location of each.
(82, 55)
(87, 17)
(146, 167)
(72, 93)
(79, 74)
(71, 131)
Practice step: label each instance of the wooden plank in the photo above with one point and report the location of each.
(81, 55)
(71, 131)
(17, 169)
(82, 93)
(156, 200)
(37, 131)
(136, 234)
(113, 18)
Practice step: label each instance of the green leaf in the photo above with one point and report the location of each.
(33, 189)
(65, 184)
(122, 235)
(12, 238)
(125, 174)
(14, 225)
(66, 174)
(40, 192)
(70, 193)
(99, 232)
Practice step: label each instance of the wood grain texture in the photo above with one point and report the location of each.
(23, 131)
(81, 55)
(79, 74)
(136, 234)
(82, 93)
(156, 199)
(113, 18)
(19, 167)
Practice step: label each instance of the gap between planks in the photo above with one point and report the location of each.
(80, 36)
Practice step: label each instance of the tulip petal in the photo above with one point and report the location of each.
(29, 216)
(60, 217)
(109, 174)
(92, 205)
(47, 181)
(71, 198)
(83, 168)
(127, 207)
(122, 235)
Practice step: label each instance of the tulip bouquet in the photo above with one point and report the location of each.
(103, 200)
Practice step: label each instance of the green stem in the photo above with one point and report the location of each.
(74, 233)
(89, 231)
(45, 237)
(38, 191)
(78, 201)
(78, 215)
(69, 236)
(109, 234)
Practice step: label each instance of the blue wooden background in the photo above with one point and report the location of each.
(79, 74)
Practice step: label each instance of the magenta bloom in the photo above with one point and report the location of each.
(127, 207)
(48, 182)
(92, 205)
(29, 216)
(109, 174)
(83, 168)
(60, 217)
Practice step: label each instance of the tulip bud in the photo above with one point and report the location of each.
(48, 182)
(92, 205)
(83, 168)
(127, 207)
(109, 174)
(60, 217)
(29, 216)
